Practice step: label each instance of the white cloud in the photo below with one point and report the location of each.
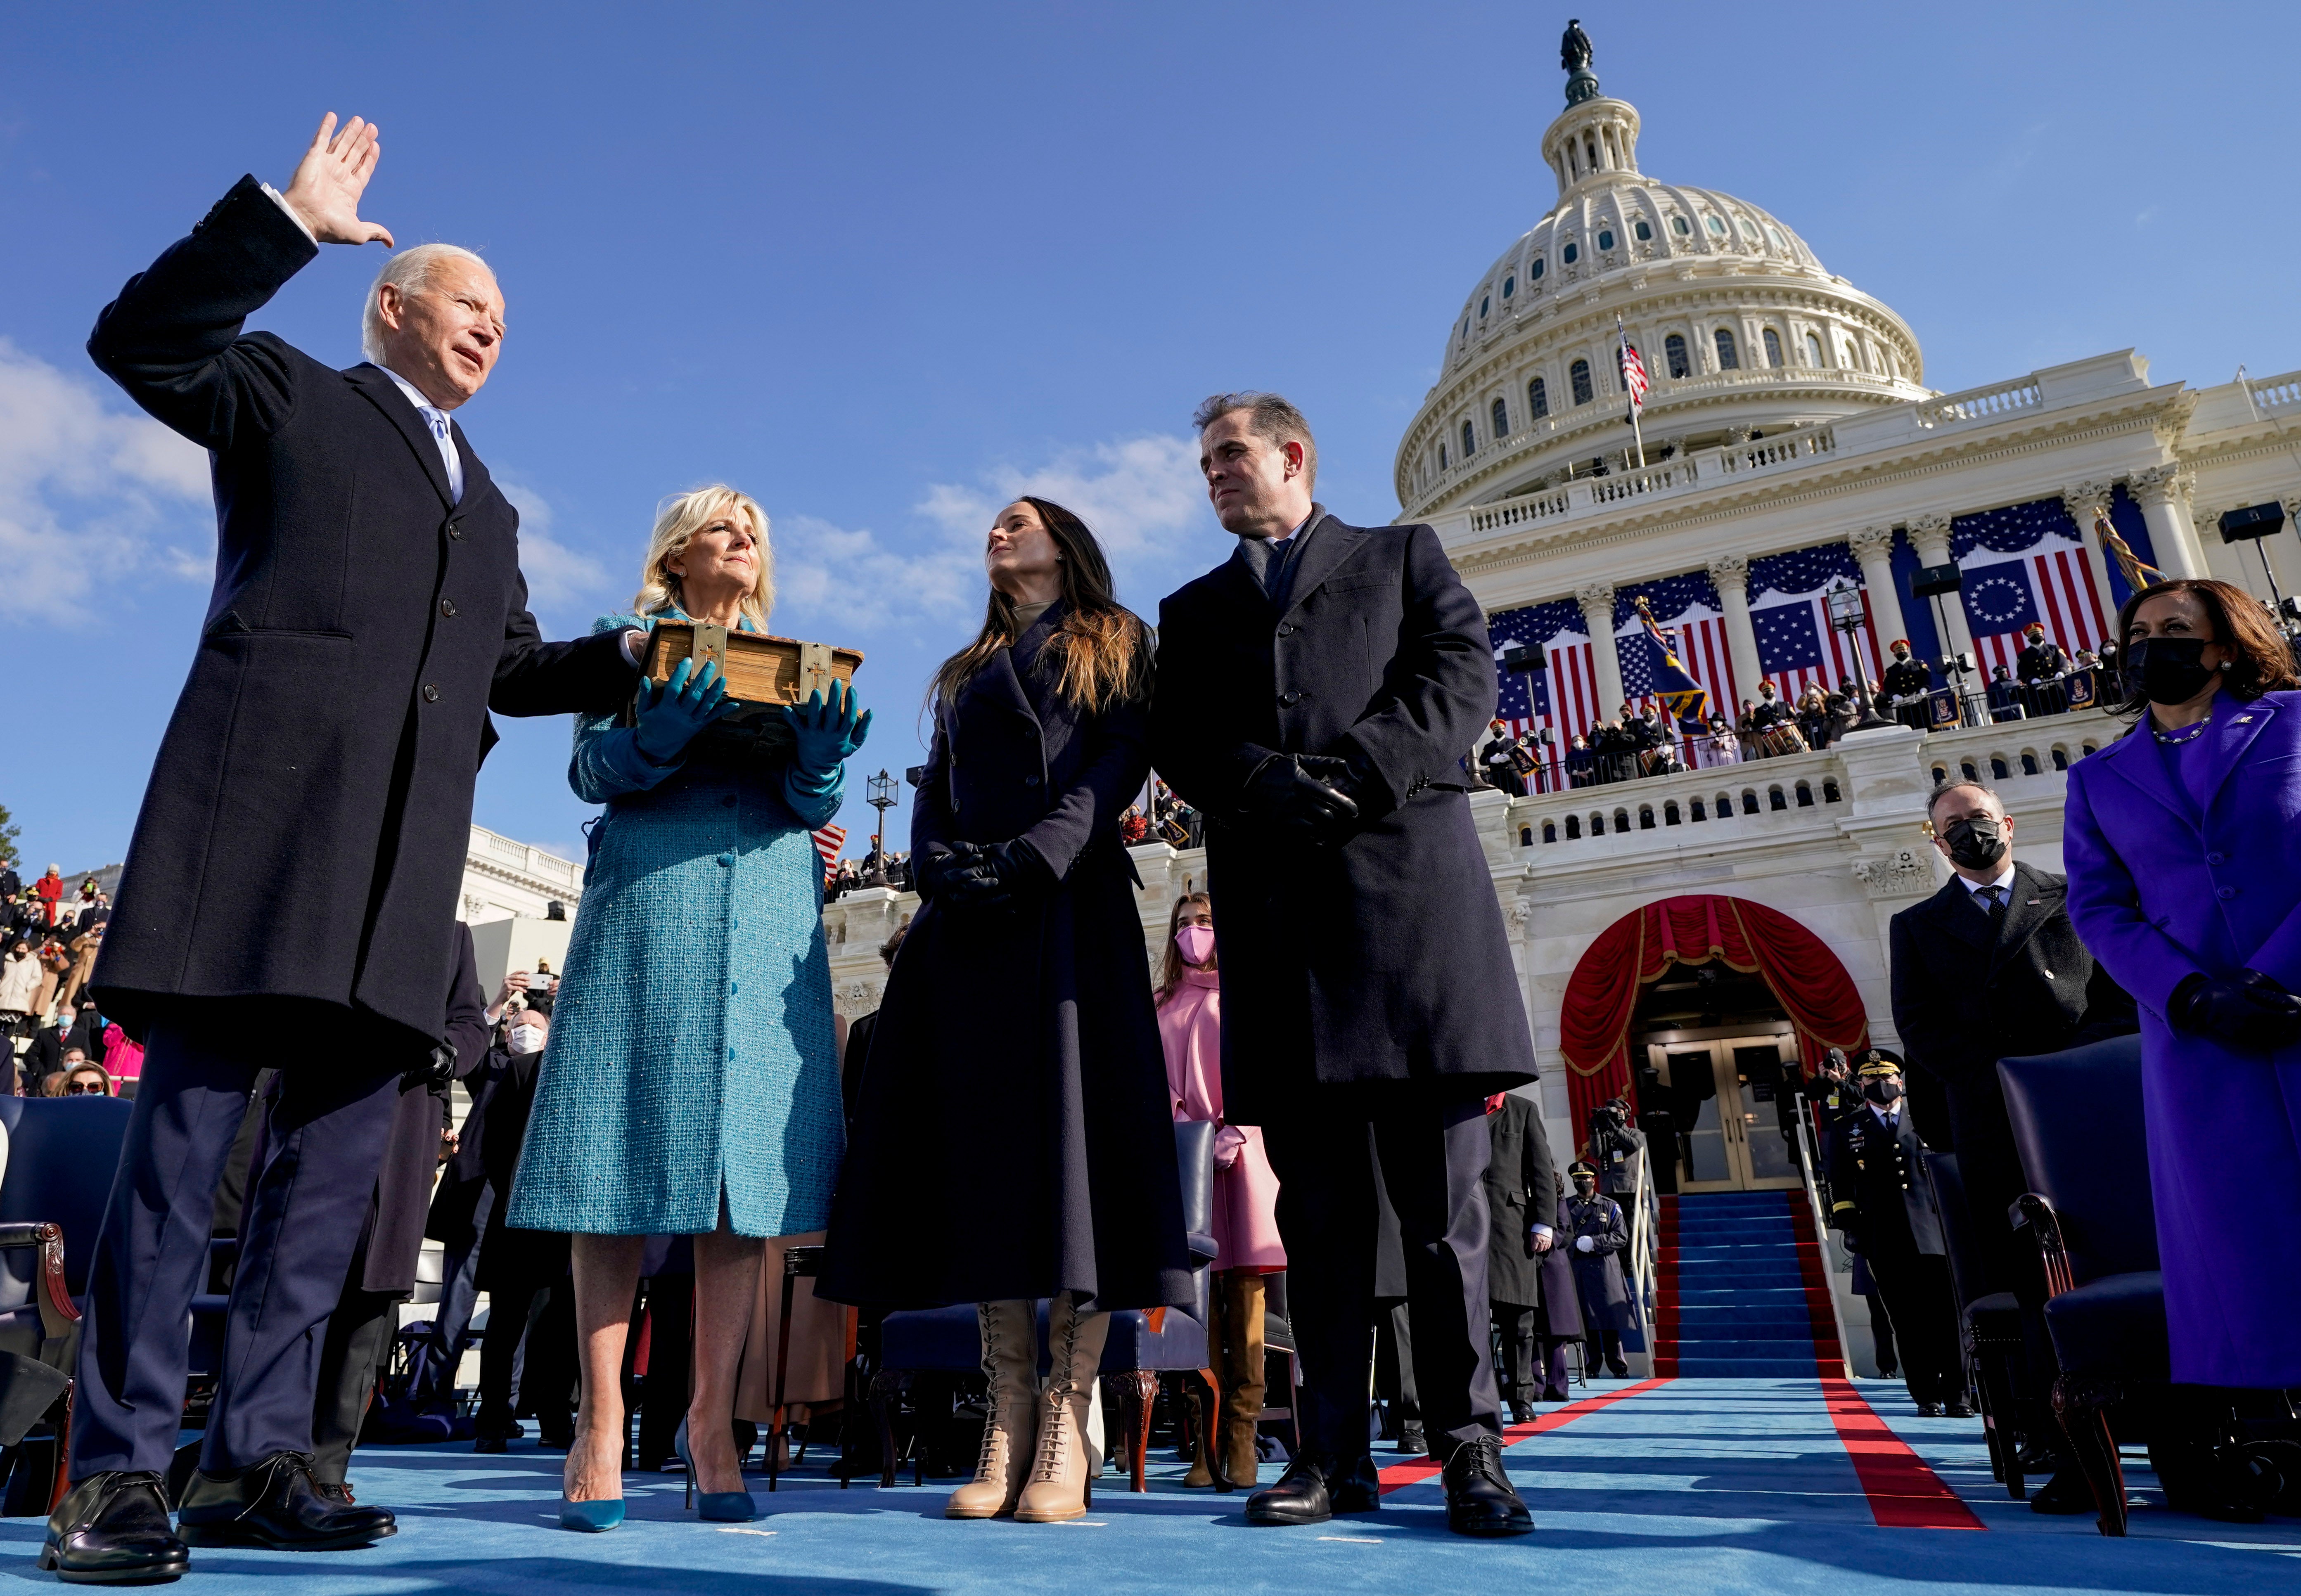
(89, 496)
(556, 574)
(1142, 496)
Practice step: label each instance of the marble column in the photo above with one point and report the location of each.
(1929, 536)
(2164, 492)
(1873, 551)
(1597, 602)
(1730, 574)
(2084, 501)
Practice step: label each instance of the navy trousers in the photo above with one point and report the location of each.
(298, 1226)
(1433, 1154)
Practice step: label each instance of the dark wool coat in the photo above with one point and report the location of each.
(1383, 959)
(511, 1260)
(1013, 1136)
(303, 833)
(1968, 993)
(1561, 1302)
(1521, 1193)
(1598, 1278)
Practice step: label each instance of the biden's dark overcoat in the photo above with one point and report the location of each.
(1383, 959)
(304, 830)
(1013, 1135)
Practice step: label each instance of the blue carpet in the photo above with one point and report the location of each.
(1696, 1487)
(1739, 1291)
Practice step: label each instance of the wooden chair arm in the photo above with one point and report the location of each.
(2034, 1214)
(58, 1312)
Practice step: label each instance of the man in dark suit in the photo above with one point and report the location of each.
(1316, 694)
(1522, 1210)
(1990, 968)
(300, 847)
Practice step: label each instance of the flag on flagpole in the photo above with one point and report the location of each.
(1634, 374)
(1671, 682)
(828, 841)
(2138, 572)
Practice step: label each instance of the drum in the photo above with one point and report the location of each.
(1775, 741)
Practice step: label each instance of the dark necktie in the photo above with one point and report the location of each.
(1262, 561)
(1996, 896)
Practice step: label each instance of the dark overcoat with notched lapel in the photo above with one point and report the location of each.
(1383, 959)
(1968, 993)
(1521, 1193)
(303, 833)
(1013, 1136)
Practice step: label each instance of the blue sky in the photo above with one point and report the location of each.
(884, 266)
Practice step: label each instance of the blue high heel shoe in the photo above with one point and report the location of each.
(719, 1506)
(591, 1516)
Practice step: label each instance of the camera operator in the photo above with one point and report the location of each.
(1614, 1149)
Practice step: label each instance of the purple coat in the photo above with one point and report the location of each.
(2158, 892)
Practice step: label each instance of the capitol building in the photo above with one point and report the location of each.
(1688, 936)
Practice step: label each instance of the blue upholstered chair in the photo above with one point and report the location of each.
(1990, 1322)
(1142, 1345)
(62, 1152)
(2077, 1121)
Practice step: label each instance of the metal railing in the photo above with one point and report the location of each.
(1807, 1163)
(1645, 1249)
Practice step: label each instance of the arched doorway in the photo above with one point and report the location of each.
(1720, 1007)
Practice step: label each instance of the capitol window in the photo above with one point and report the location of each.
(1606, 238)
(1812, 350)
(1502, 418)
(1717, 227)
(1534, 271)
(1773, 348)
(1774, 234)
(1509, 287)
(1470, 441)
(1537, 398)
(1443, 464)
(1483, 304)
(1643, 231)
(1673, 351)
(1727, 360)
(1749, 229)
(1571, 252)
(1579, 374)
(1681, 226)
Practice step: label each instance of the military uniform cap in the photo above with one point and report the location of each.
(1878, 1062)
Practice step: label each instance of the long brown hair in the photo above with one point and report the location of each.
(1099, 654)
(1172, 969)
(2241, 624)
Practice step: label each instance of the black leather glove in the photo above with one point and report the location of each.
(1001, 873)
(1296, 793)
(2244, 1010)
(940, 870)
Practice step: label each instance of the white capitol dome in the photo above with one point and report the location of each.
(1741, 330)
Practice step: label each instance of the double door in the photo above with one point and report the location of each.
(1734, 1143)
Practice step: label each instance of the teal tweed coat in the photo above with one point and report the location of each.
(692, 1050)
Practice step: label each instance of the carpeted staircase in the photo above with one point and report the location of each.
(1741, 1289)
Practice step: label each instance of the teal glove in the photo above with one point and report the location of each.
(826, 730)
(671, 713)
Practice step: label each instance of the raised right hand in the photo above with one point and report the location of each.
(671, 713)
(326, 191)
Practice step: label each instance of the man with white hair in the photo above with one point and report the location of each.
(301, 843)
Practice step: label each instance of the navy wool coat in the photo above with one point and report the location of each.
(1383, 959)
(303, 833)
(2164, 886)
(1012, 1134)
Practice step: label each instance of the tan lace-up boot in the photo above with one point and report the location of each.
(1062, 1478)
(1010, 1416)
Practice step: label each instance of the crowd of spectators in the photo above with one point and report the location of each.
(58, 1043)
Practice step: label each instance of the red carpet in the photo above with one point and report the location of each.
(1402, 1474)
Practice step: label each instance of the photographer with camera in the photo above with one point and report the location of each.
(1614, 1147)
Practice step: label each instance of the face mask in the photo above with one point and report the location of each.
(2167, 670)
(1882, 1091)
(1196, 943)
(523, 1038)
(1584, 1185)
(1976, 841)
(1900, 654)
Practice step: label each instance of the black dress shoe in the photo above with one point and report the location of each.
(1299, 1496)
(1521, 1413)
(2066, 1492)
(275, 1503)
(1480, 1500)
(1412, 1440)
(1354, 1486)
(1929, 1410)
(112, 1529)
(1957, 1408)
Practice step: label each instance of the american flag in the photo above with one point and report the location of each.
(1797, 646)
(1634, 374)
(2024, 563)
(1564, 697)
(828, 841)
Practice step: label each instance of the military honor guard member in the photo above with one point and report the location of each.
(1598, 1232)
(1881, 1199)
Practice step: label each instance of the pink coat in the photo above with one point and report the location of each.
(1246, 1191)
(123, 1060)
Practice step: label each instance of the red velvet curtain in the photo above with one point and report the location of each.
(1797, 966)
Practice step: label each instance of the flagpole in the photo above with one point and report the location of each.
(1621, 365)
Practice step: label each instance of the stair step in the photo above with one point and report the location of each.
(1721, 1368)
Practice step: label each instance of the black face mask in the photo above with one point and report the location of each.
(2167, 670)
(1882, 1091)
(1583, 1186)
(1976, 841)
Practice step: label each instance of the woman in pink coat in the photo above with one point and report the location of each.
(1246, 1193)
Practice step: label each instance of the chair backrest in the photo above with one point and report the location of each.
(2077, 1121)
(61, 1153)
(1965, 1276)
(1194, 1162)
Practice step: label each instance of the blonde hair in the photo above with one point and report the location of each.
(676, 522)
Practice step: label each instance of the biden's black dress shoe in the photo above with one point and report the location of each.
(275, 1503)
(112, 1529)
(1957, 1407)
(1480, 1500)
(1929, 1410)
(1314, 1487)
